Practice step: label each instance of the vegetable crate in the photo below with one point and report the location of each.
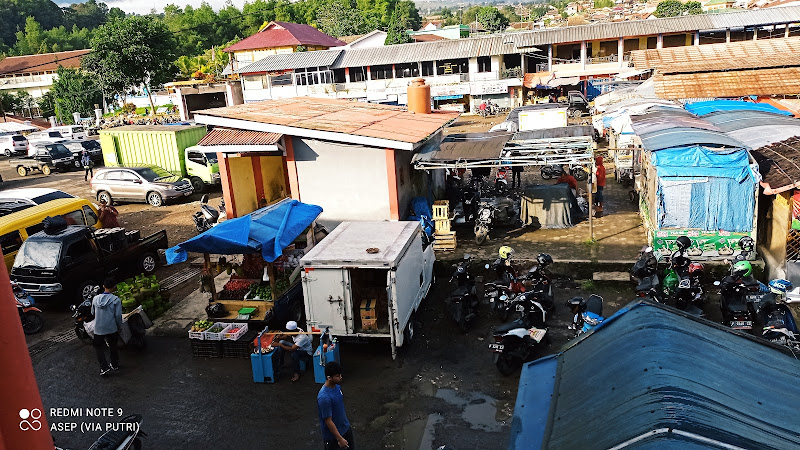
(206, 349)
(441, 210)
(235, 331)
(216, 336)
(444, 241)
(198, 335)
(241, 348)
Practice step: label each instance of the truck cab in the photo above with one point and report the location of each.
(202, 164)
(72, 260)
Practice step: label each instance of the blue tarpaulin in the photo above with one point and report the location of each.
(704, 189)
(267, 231)
(703, 108)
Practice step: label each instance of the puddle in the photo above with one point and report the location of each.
(478, 410)
(419, 434)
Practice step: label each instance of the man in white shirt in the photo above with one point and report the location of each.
(299, 347)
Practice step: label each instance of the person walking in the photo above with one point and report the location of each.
(107, 311)
(336, 430)
(516, 176)
(108, 215)
(88, 164)
(601, 183)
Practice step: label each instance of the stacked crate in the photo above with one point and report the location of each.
(443, 239)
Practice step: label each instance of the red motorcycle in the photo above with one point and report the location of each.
(31, 316)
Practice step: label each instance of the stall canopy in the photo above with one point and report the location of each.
(462, 150)
(779, 164)
(703, 108)
(654, 377)
(267, 231)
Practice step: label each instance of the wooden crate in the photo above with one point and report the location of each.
(444, 241)
(442, 225)
(441, 209)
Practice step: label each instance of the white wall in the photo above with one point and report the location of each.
(349, 182)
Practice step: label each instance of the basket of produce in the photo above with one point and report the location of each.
(235, 289)
(235, 331)
(216, 332)
(198, 329)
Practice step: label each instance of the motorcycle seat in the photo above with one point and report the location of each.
(736, 302)
(506, 327)
(575, 301)
(647, 283)
(693, 310)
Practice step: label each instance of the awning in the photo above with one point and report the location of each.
(564, 81)
(630, 73)
(229, 140)
(457, 150)
(267, 231)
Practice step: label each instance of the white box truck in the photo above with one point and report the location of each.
(382, 266)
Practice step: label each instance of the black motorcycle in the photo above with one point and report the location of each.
(740, 298)
(124, 435)
(645, 273)
(492, 212)
(463, 302)
(555, 170)
(82, 314)
(538, 281)
(586, 313)
(207, 217)
(515, 342)
(468, 198)
(779, 326)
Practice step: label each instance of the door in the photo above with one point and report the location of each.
(196, 165)
(328, 300)
(130, 186)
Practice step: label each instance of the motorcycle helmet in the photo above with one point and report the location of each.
(696, 270)
(742, 269)
(747, 244)
(683, 243)
(779, 286)
(544, 259)
(506, 252)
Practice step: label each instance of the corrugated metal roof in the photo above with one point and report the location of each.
(296, 60)
(228, 136)
(555, 133)
(679, 137)
(732, 63)
(759, 136)
(634, 28)
(729, 121)
(657, 373)
(729, 84)
(650, 123)
(466, 147)
(428, 51)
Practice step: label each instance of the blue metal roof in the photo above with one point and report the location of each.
(683, 136)
(707, 107)
(655, 377)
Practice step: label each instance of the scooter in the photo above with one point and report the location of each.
(586, 314)
(463, 302)
(208, 217)
(690, 296)
(645, 273)
(31, 316)
(516, 341)
(82, 314)
(740, 299)
(469, 198)
(779, 326)
(492, 212)
(538, 281)
(501, 180)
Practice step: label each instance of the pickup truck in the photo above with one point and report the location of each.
(72, 260)
(45, 157)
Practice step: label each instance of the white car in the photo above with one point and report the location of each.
(31, 196)
(39, 137)
(74, 132)
(14, 144)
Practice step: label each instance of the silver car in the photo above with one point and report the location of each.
(150, 184)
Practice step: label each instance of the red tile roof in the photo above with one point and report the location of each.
(427, 38)
(283, 34)
(227, 136)
(46, 62)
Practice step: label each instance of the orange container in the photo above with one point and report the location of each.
(419, 96)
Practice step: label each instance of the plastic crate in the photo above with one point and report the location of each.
(236, 335)
(208, 336)
(206, 349)
(241, 348)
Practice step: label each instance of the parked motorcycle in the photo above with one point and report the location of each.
(586, 313)
(492, 212)
(538, 281)
(32, 317)
(678, 267)
(645, 273)
(82, 314)
(554, 171)
(516, 341)
(740, 297)
(779, 326)
(501, 180)
(208, 217)
(469, 197)
(463, 302)
(690, 296)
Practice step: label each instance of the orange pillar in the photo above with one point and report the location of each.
(23, 423)
(291, 168)
(258, 179)
(391, 180)
(227, 186)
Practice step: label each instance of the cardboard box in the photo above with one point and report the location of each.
(368, 309)
(369, 324)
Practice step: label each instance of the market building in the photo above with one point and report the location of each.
(510, 68)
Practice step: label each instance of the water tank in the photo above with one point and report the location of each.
(419, 96)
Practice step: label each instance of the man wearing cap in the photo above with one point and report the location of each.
(299, 347)
(336, 430)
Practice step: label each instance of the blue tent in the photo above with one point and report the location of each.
(268, 231)
(703, 108)
(652, 376)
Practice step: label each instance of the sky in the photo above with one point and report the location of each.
(144, 6)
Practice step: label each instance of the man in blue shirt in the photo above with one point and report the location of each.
(336, 430)
(299, 347)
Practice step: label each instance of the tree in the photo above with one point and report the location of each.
(669, 8)
(339, 18)
(74, 91)
(599, 4)
(396, 34)
(408, 14)
(8, 103)
(693, 8)
(132, 52)
(491, 19)
(511, 14)
(47, 104)
(24, 101)
(89, 14)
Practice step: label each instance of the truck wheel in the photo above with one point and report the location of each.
(22, 171)
(104, 196)
(46, 170)
(78, 164)
(154, 199)
(148, 262)
(197, 185)
(87, 290)
(410, 331)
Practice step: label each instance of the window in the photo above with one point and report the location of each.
(18, 138)
(10, 242)
(427, 68)
(196, 157)
(80, 250)
(357, 74)
(128, 177)
(91, 217)
(406, 70)
(281, 80)
(90, 145)
(484, 64)
(101, 175)
(74, 218)
(50, 196)
(338, 76)
(452, 66)
(33, 229)
(381, 72)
